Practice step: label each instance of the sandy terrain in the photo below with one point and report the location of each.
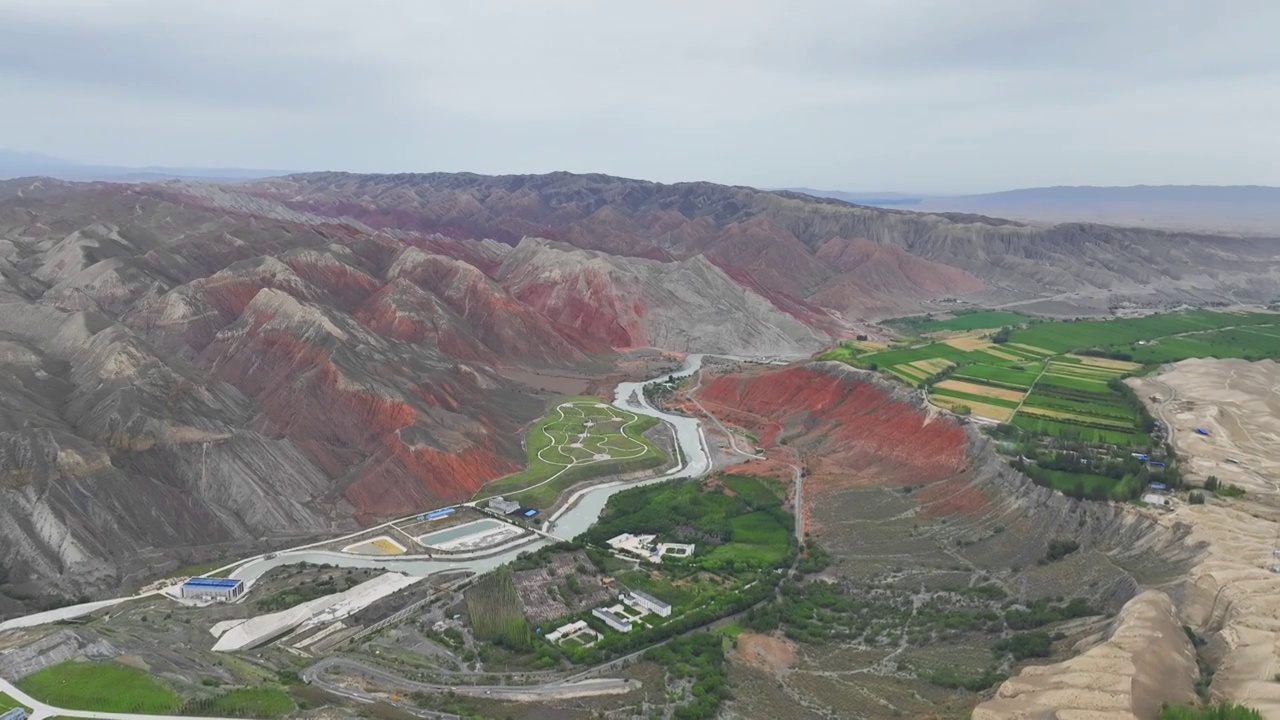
(1230, 597)
(766, 652)
(1146, 661)
(1238, 403)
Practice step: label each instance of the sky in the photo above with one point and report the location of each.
(946, 96)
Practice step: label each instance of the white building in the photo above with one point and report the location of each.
(620, 624)
(675, 549)
(220, 589)
(565, 631)
(502, 505)
(639, 545)
(644, 601)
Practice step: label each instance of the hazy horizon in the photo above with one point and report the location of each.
(924, 97)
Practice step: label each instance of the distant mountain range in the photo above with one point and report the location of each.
(1240, 209)
(21, 164)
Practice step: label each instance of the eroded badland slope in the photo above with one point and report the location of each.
(904, 497)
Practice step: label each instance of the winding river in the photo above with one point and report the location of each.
(578, 514)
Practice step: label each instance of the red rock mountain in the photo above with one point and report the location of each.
(186, 367)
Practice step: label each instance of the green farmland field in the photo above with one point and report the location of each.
(1103, 409)
(1061, 428)
(967, 397)
(1121, 333)
(758, 539)
(1019, 377)
(1072, 404)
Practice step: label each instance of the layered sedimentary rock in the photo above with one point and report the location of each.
(827, 252)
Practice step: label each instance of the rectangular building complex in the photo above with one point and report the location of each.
(642, 599)
(220, 589)
(620, 624)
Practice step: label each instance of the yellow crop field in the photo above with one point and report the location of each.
(1058, 414)
(992, 351)
(1033, 349)
(1108, 363)
(910, 371)
(968, 342)
(932, 365)
(969, 388)
(980, 409)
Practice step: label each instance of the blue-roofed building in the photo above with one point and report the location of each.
(220, 589)
(1201, 431)
(14, 714)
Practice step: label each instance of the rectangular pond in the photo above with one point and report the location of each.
(440, 537)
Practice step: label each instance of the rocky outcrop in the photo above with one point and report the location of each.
(689, 305)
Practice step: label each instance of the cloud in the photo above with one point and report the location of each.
(925, 95)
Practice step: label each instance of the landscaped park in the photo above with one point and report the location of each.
(578, 439)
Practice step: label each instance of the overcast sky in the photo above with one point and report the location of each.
(915, 95)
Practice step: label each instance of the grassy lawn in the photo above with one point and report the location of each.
(758, 539)
(568, 445)
(755, 490)
(8, 703)
(103, 686)
(245, 702)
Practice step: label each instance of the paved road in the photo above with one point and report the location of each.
(560, 688)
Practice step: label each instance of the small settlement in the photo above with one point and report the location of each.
(623, 616)
(647, 548)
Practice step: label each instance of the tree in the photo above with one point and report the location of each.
(1196, 498)
(1060, 548)
(1211, 483)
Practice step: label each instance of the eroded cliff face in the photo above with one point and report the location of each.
(190, 367)
(1143, 661)
(180, 385)
(854, 431)
(892, 487)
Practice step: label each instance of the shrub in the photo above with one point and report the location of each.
(1221, 711)
(1025, 645)
(1196, 498)
(1060, 548)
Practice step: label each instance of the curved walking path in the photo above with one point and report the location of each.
(563, 447)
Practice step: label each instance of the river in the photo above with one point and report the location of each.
(578, 515)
